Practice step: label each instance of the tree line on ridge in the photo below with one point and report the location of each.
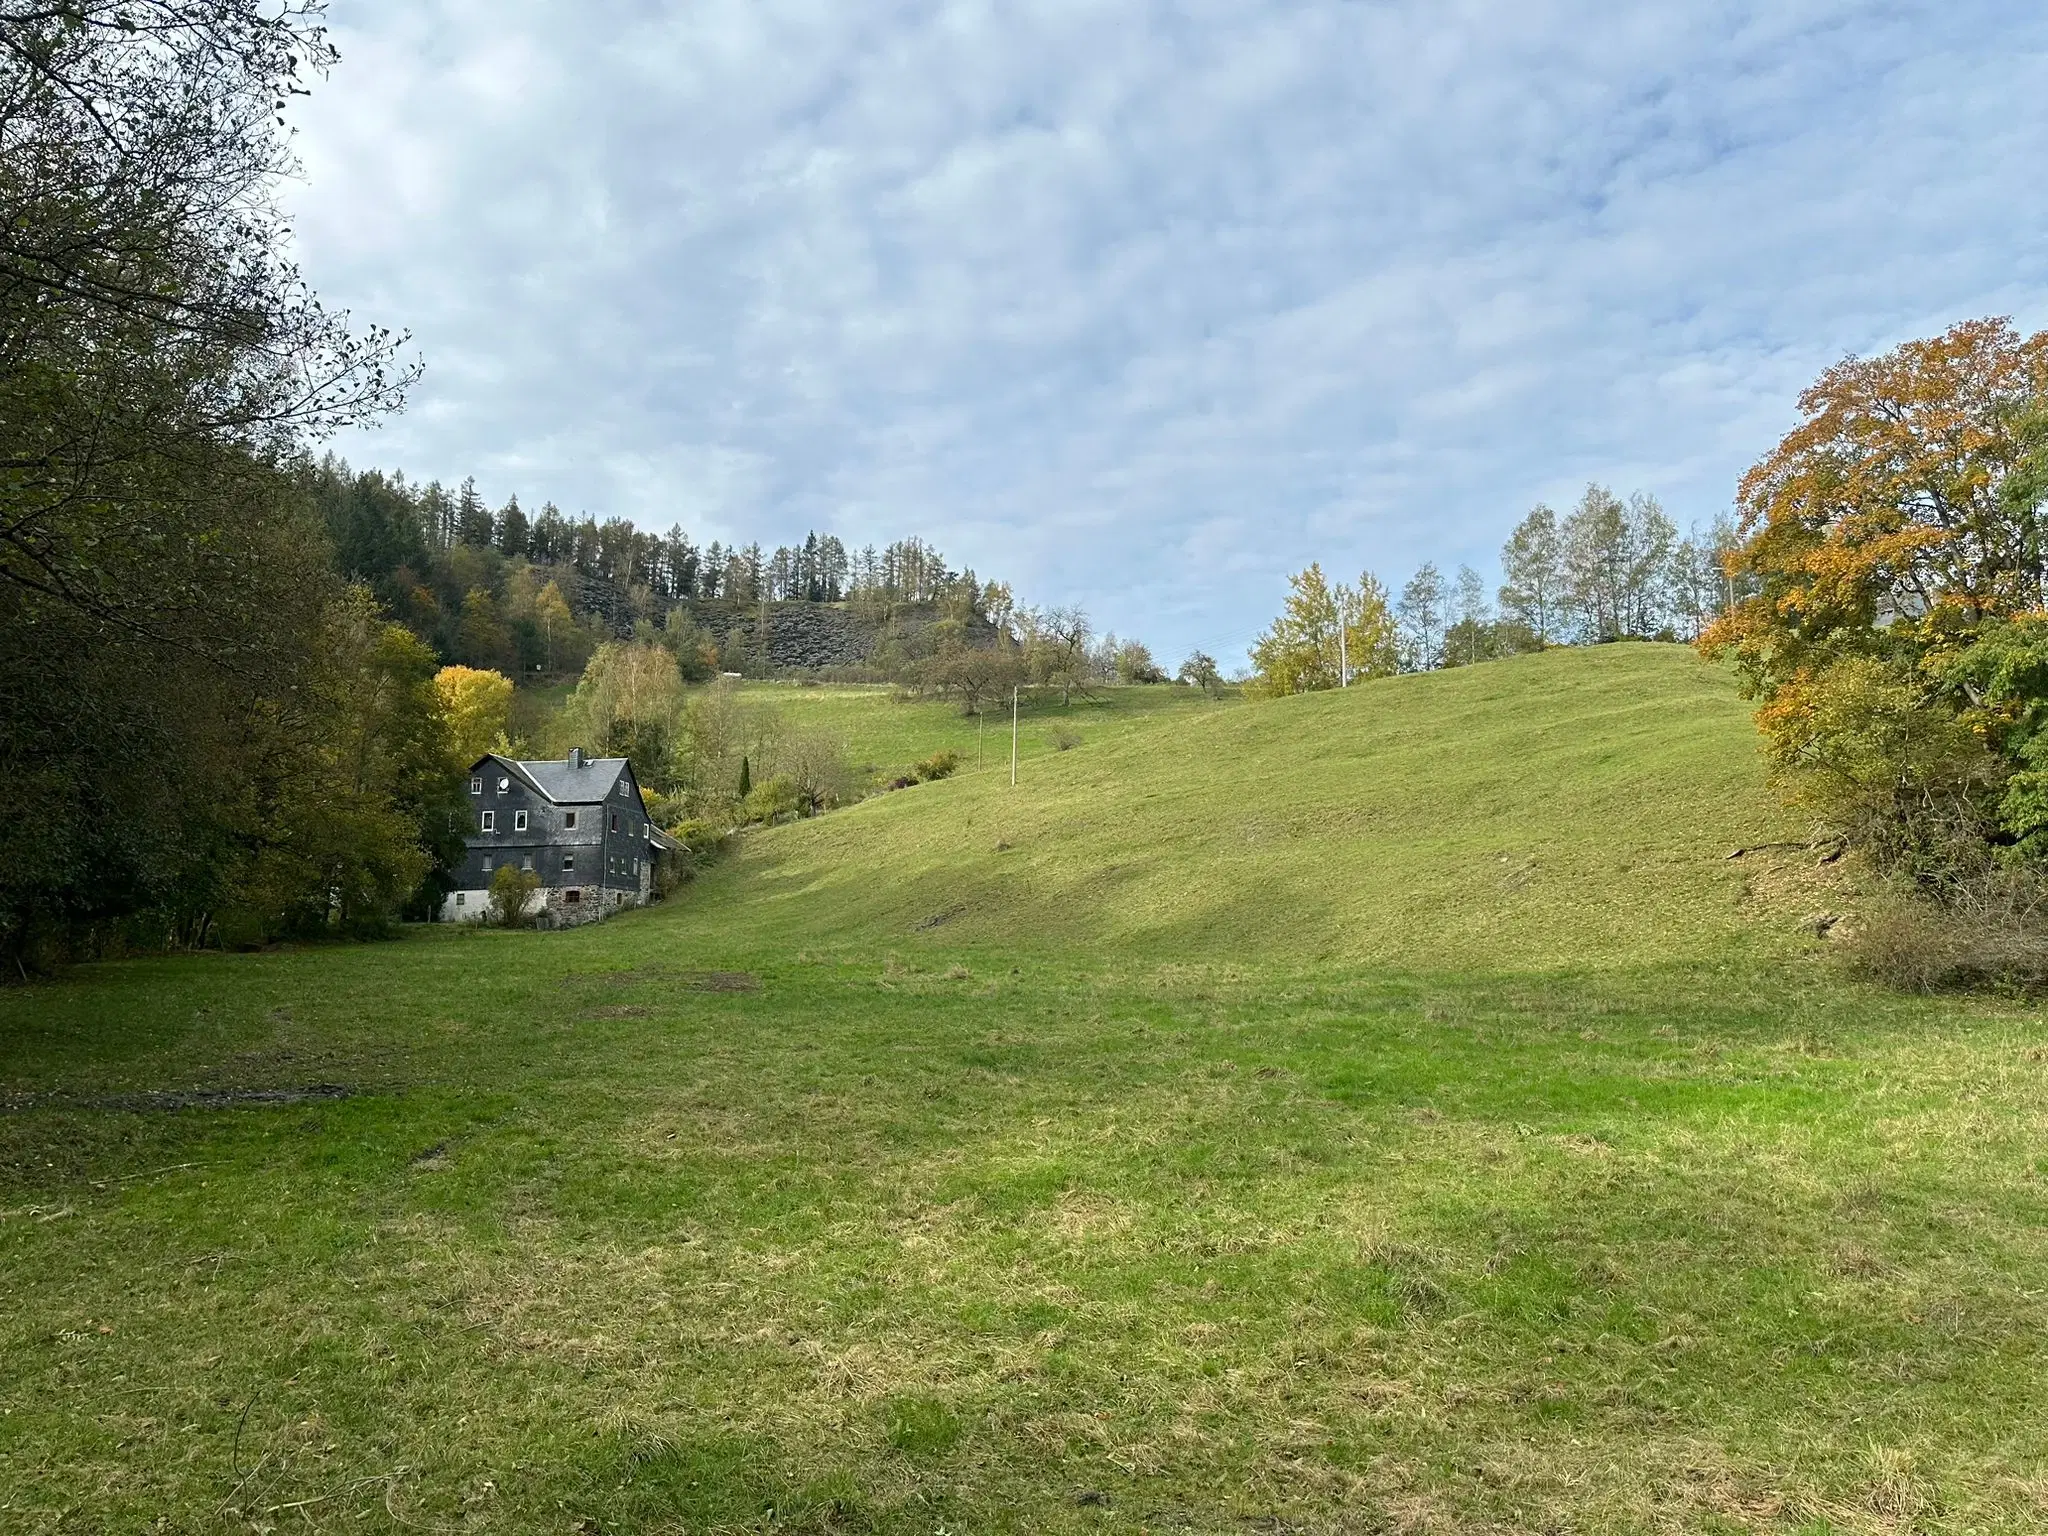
(1608, 570)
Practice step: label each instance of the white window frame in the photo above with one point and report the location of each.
(489, 822)
(519, 821)
(504, 784)
(476, 786)
(568, 863)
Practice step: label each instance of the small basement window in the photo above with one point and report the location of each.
(490, 821)
(572, 897)
(458, 899)
(568, 821)
(519, 821)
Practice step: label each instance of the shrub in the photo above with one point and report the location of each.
(771, 800)
(1886, 769)
(512, 893)
(939, 765)
(1064, 738)
(703, 841)
(1987, 929)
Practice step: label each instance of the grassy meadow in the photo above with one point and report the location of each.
(886, 731)
(1380, 1112)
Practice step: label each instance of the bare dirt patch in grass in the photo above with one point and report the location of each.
(721, 981)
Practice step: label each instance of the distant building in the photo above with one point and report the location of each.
(579, 824)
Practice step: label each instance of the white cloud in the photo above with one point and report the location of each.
(1146, 304)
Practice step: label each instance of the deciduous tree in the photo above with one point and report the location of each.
(477, 705)
(1298, 653)
(1896, 541)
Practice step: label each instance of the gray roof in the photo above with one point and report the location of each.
(561, 784)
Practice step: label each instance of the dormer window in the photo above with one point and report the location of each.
(476, 786)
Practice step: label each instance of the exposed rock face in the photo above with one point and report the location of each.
(804, 637)
(801, 636)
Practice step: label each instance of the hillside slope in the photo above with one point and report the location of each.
(1576, 806)
(1364, 1113)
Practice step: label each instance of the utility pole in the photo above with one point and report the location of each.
(1343, 638)
(1013, 736)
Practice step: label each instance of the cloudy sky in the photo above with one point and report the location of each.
(1143, 305)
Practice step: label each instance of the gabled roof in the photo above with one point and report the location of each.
(560, 782)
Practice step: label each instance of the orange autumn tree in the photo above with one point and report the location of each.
(1901, 525)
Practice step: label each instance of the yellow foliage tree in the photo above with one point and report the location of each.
(1322, 630)
(477, 706)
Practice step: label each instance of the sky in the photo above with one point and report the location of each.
(1139, 305)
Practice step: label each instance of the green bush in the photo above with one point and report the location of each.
(512, 896)
(772, 800)
(939, 765)
(703, 841)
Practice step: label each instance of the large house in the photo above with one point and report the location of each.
(579, 824)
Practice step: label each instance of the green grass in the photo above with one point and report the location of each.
(1388, 1112)
(885, 731)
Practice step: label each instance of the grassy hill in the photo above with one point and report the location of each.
(885, 732)
(1378, 1112)
(1568, 808)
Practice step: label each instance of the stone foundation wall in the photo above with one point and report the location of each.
(554, 909)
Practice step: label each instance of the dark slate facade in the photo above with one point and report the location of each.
(579, 824)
